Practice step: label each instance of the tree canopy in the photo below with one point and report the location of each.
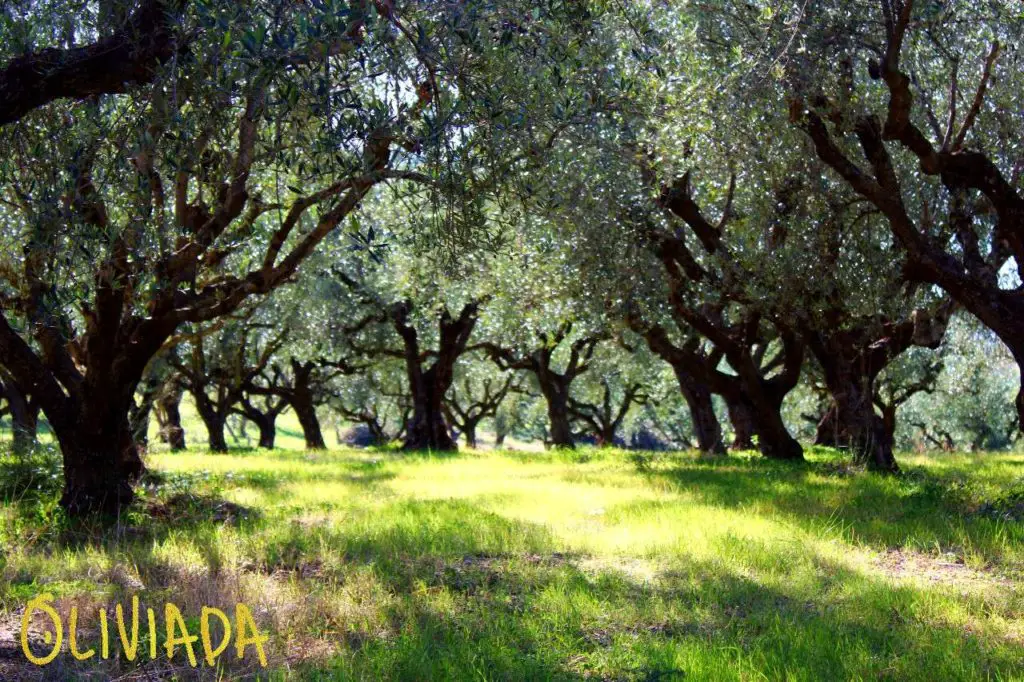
(564, 218)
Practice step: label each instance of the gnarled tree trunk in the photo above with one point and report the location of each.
(742, 419)
(556, 395)
(101, 458)
(428, 429)
(829, 432)
(706, 427)
(774, 439)
(302, 400)
(305, 409)
(859, 428)
(268, 431)
(851, 421)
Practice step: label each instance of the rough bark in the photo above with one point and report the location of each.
(556, 394)
(851, 420)
(101, 458)
(852, 355)
(742, 339)
(742, 419)
(706, 428)
(688, 360)
(964, 270)
(428, 429)
(128, 57)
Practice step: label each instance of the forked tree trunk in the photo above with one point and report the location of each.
(865, 432)
(267, 425)
(764, 396)
(741, 416)
(556, 395)
(268, 434)
(851, 421)
(702, 413)
(264, 419)
(428, 429)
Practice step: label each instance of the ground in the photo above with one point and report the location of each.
(530, 566)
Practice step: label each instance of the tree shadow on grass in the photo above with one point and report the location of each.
(445, 589)
(468, 601)
(919, 507)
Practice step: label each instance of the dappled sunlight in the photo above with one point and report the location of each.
(564, 567)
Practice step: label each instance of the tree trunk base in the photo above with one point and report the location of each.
(267, 440)
(176, 438)
(786, 450)
(95, 483)
(432, 443)
(96, 497)
(714, 454)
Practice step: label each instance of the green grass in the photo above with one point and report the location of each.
(516, 566)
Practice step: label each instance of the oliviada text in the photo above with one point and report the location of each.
(177, 638)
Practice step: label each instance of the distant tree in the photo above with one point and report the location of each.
(970, 404)
(377, 398)
(601, 400)
(168, 412)
(554, 379)
(475, 395)
(218, 368)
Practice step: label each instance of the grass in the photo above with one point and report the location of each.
(533, 566)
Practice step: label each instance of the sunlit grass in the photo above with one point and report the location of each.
(606, 565)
